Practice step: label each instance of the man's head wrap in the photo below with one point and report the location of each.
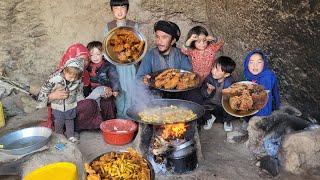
(169, 28)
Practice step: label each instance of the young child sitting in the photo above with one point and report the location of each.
(211, 89)
(104, 80)
(64, 111)
(201, 48)
(256, 70)
(127, 73)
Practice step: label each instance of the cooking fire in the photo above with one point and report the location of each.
(170, 150)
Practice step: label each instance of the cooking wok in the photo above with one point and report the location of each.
(133, 111)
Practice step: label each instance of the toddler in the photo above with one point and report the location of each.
(202, 50)
(104, 79)
(126, 73)
(64, 111)
(211, 90)
(256, 70)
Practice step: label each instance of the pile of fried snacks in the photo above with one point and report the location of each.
(173, 78)
(126, 44)
(118, 165)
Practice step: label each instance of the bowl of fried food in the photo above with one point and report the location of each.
(124, 45)
(119, 165)
(244, 98)
(174, 80)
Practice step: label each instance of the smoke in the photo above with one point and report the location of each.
(141, 94)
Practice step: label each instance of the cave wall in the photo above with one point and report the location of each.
(288, 31)
(35, 33)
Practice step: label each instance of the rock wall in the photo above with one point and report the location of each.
(35, 33)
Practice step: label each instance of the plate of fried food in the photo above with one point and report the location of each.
(124, 45)
(119, 165)
(174, 80)
(244, 98)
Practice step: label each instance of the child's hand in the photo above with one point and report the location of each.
(210, 38)
(58, 94)
(192, 38)
(210, 88)
(115, 93)
(107, 91)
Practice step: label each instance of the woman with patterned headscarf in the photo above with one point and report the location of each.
(88, 112)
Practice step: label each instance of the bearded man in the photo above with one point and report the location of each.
(165, 55)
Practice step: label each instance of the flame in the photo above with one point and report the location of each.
(174, 130)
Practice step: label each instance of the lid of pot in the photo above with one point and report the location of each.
(183, 145)
(182, 152)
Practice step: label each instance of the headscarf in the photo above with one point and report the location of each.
(265, 71)
(73, 62)
(73, 51)
(169, 28)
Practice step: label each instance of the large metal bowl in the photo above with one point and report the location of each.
(25, 140)
(112, 56)
(152, 174)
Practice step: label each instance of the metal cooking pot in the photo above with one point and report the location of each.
(25, 140)
(183, 145)
(182, 152)
(133, 111)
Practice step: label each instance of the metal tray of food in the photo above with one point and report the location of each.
(113, 57)
(25, 140)
(196, 80)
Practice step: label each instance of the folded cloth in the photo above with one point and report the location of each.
(11, 157)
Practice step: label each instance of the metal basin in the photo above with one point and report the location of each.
(25, 140)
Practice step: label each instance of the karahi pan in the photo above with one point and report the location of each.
(133, 111)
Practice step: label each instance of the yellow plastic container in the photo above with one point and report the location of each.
(2, 121)
(55, 171)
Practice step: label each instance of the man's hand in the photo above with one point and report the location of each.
(146, 79)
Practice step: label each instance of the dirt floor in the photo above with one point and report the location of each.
(222, 160)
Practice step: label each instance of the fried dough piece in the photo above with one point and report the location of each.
(122, 56)
(140, 46)
(163, 74)
(242, 103)
(118, 48)
(172, 83)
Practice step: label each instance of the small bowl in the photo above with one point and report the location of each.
(118, 131)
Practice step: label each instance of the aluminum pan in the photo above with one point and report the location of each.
(25, 140)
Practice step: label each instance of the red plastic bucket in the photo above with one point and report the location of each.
(118, 131)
